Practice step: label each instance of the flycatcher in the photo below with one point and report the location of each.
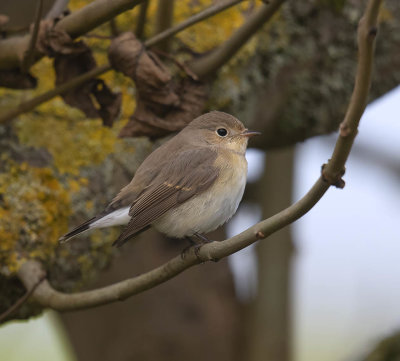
(190, 185)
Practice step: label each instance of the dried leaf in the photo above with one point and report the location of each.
(146, 121)
(110, 103)
(93, 97)
(162, 105)
(16, 80)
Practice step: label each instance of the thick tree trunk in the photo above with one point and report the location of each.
(190, 317)
(269, 318)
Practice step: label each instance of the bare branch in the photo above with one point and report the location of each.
(76, 24)
(139, 32)
(212, 10)
(75, 82)
(42, 98)
(28, 57)
(367, 31)
(164, 19)
(5, 315)
(48, 297)
(210, 63)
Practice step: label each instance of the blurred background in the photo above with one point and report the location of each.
(323, 289)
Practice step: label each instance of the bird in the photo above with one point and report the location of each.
(189, 186)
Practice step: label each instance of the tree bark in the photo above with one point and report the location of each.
(269, 321)
(190, 318)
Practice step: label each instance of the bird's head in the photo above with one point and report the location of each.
(221, 130)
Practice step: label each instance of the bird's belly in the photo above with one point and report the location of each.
(205, 212)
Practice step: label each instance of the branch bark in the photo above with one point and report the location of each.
(141, 21)
(210, 63)
(164, 20)
(28, 57)
(75, 82)
(76, 24)
(48, 297)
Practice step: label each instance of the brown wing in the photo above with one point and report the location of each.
(189, 174)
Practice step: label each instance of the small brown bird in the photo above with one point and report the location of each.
(190, 185)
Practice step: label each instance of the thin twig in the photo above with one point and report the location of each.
(75, 82)
(76, 24)
(29, 54)
(61, 89)
(49, 297)
(209, 63)
(17, 305)
(97, 36)
(164, 19)
(141, 22)
(205, 14)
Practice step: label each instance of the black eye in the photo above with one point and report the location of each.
(222, 132)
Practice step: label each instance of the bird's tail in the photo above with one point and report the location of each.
(78, 230)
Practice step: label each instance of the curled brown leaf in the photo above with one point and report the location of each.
(163, 104)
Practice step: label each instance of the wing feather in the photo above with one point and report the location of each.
(189, 174)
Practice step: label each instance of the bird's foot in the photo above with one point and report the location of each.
(195, 245)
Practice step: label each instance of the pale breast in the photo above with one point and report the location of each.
(212, 208)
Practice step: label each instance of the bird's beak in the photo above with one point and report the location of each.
(249, 133)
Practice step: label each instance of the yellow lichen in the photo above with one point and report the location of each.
(72, 143)
(34, 207)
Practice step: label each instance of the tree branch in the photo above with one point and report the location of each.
(61, 89)
(76, 24)
(7, 314)
(208, 64)
(164, 20)
(75, 82)
(44, 294)
(141, 21)
(28, 57)
(205, 14)
(367, 31)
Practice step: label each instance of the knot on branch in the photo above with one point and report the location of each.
(345, 130)
(333, 179)
(260, 235)
(164, 104)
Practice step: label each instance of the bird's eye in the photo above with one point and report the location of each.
(222, 132)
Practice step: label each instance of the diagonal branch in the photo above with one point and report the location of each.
(211, 62)
(75, 82)
(141, 21)
(205, 14)
(27, 106)
(31, 270)
(76, 24)
(29, 55)
(8, 313)
(164, 19)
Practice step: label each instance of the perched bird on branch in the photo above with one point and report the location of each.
(188, 186)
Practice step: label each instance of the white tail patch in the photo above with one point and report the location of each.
(116, 218)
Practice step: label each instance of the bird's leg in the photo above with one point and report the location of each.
(203, 238)
(191, 241)
(186, 249)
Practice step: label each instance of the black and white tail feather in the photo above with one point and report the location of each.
(105, 219)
